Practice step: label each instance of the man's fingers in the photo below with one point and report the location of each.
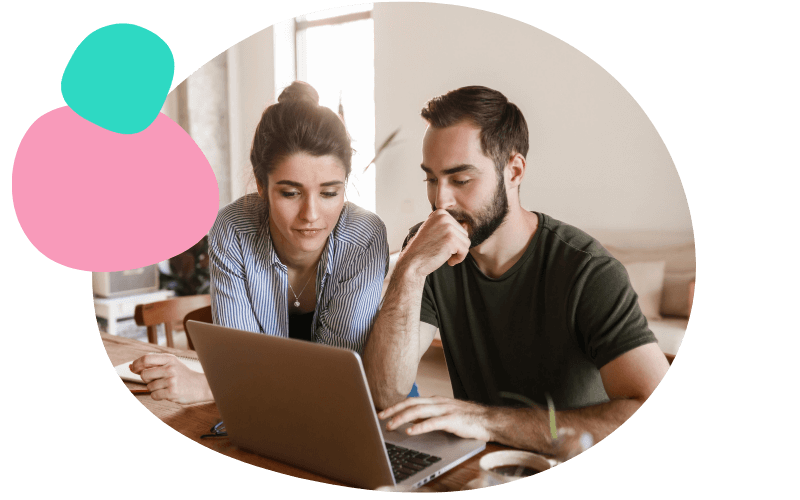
(402, 405)
(458, 257)
(461, 251)
(447, 423)
(440, 239)
(445, 216)
(393, 410)
(417, 412)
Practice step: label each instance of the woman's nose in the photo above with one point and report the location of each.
(310, 210)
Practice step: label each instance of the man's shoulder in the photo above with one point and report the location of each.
(568, 238)
(358, 226)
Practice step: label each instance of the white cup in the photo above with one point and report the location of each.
(503, 466)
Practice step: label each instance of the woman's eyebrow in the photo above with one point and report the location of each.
(299, 185)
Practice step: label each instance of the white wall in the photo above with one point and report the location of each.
(251, 88)
(595, 160)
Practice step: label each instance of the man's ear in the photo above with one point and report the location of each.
(515, 170)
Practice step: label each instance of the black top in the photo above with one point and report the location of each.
(547, 325)
(300, 326)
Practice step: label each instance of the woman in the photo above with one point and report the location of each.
(294, 260)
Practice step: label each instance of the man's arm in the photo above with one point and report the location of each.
(628, 380)
(398, 339)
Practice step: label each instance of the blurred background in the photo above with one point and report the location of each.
(595, 161)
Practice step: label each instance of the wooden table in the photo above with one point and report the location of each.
(195, 420)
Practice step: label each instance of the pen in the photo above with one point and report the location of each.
(140, 391)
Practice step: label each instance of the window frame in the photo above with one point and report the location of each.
(300, 27)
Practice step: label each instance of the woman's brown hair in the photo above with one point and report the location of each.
(297, 124)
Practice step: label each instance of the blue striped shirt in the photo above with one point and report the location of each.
(249, 282)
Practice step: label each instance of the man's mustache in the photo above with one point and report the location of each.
(458, 215)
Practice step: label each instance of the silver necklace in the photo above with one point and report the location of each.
(297, 297)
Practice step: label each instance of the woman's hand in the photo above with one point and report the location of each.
(167, 378)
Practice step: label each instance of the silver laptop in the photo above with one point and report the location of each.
(309, 405)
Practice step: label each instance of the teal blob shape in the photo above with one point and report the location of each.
(119, 77)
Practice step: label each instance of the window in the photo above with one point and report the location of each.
(334, 52)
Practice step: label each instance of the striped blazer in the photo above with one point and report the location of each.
(249, 282)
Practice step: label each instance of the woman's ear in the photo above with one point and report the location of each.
(260, 190)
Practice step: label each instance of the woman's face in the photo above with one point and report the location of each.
(306, 196)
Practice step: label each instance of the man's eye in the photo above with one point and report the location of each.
(461, 183)
(429, 181)
(330, 194)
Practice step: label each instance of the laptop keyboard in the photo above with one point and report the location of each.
(406, 462)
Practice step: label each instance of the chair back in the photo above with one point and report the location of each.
(166, 312)
(202, 315)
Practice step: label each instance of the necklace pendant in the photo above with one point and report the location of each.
(297, 303)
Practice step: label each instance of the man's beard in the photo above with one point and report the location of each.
(484, 223)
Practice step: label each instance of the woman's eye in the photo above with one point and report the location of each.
(289, 194)
(330, 194)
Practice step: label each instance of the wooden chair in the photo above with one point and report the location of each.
(166, 312)
(203, 315)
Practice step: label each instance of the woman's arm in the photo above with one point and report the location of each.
(230, 299)
(167, 378)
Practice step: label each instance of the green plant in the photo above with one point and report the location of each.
(386, 143)
(567, 443)
(551, 408)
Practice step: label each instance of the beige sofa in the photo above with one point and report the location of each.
(661, 266)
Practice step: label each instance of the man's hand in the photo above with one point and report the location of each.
(397, 341)
(167, 378)
(467, 420)
(440, 239)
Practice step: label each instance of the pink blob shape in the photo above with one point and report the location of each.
(96, 200)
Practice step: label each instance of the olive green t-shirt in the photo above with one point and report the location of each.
(547, 325)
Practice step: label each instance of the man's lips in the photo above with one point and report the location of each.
(308, 231)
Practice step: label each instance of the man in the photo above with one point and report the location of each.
(526, 305)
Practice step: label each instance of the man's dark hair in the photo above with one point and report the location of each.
(504, 131)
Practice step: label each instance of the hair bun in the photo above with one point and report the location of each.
(299, 92)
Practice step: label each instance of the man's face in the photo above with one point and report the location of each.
(463, 181)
